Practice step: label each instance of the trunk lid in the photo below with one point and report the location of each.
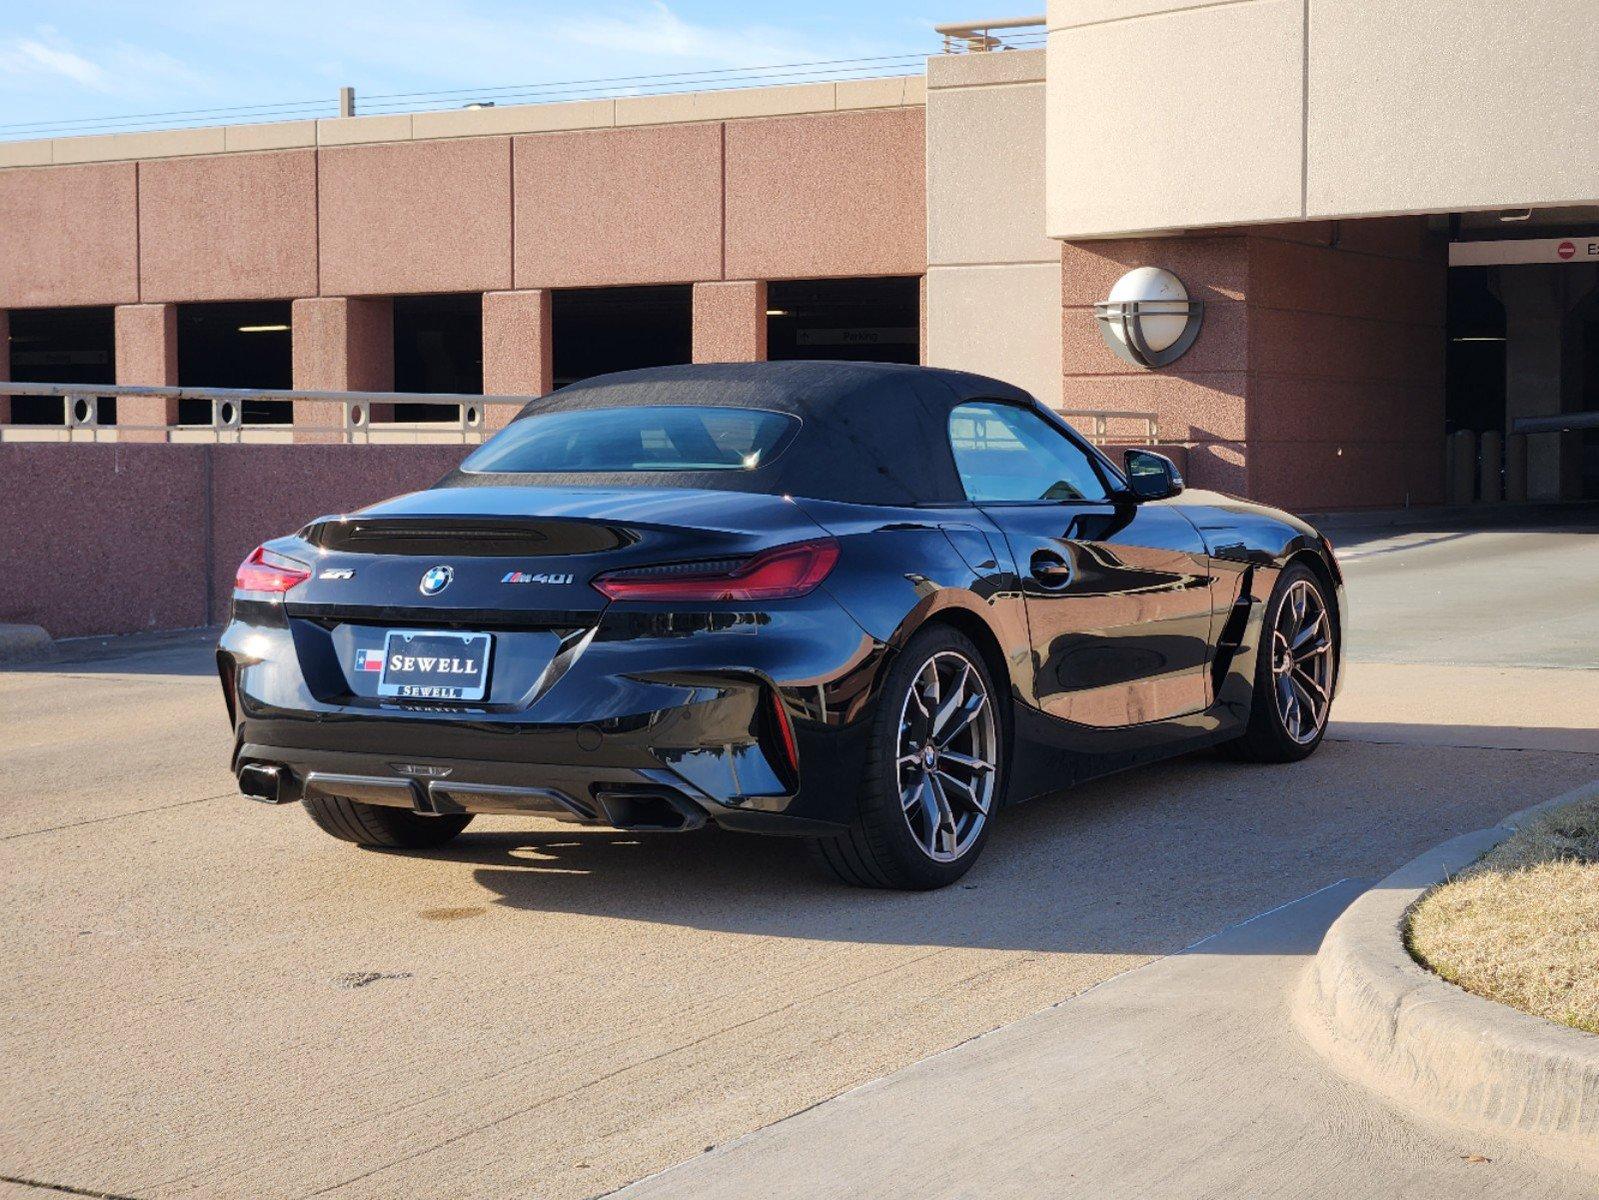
(520, 556)
(519, 563)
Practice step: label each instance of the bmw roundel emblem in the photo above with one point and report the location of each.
(436, 579)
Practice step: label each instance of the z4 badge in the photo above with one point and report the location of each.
(524, 577)
(337, 573)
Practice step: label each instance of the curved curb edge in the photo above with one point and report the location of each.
(23, 643)
(1385, 1022)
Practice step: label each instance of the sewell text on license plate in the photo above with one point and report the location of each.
(430, 664)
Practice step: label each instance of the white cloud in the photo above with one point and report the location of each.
(21, 58)
(46, 59)
(654, 29)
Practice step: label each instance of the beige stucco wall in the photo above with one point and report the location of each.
(1181, 114)
(993, 276)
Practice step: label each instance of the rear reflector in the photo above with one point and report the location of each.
(785, 733)
(782, 573)
(267, 571)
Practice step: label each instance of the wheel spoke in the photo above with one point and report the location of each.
(1306, 703)
(912, 796)
(968, 793)
(1305, 634)
(945, 833)
(1320, 647)
(967, 715)
(949, 706)
(965, 760)
(1302, 678)
(932, 697)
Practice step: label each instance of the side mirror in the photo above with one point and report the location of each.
(1152, 476)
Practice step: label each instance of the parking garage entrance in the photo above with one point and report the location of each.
(1523, 329)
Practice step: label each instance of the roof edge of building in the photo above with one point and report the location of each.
(669, 108)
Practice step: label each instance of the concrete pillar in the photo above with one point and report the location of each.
(5, 362)
(1516, 467)
(921, 319)
(1541, 368)
(518, 348)
(1492, 454)
(730, 321)
(341, 344)
(146, 337)
(1462, 466)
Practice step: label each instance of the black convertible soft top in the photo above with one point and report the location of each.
(870, 433)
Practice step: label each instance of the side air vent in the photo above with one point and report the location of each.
(481, 537)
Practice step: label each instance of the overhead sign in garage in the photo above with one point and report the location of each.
(1525, 250)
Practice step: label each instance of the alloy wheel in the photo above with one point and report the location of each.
(1302, 661)
(947, 757)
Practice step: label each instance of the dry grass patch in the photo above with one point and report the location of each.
(1521, 926)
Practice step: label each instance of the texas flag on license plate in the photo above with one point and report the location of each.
(369, 660)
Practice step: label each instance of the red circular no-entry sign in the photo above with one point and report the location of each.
(1565, 249)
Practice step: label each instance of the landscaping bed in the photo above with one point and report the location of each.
(1521, 925)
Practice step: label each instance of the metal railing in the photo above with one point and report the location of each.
(1099, 433)
(1559, 423)
(81, 415)
(976, 37)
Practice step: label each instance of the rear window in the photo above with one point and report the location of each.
(644, 438)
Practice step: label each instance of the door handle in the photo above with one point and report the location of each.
(1050, 569)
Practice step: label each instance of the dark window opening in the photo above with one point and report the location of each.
(61, 345)
(1475, 362)
(864, 320)
(598, 330)
(239, 344)
(438, 347)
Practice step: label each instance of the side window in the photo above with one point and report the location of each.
(1006, 452)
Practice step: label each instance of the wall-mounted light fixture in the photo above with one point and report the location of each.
(1149, 320)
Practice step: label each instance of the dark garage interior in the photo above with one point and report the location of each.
(870, 320)
(597, 330)
(244, 344)
(61, 345)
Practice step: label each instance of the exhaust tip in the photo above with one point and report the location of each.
(652, 811)
(264, 783)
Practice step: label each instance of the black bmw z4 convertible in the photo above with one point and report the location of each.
(864, 604)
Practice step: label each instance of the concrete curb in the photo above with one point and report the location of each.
(1426, 1046)
(23, 643)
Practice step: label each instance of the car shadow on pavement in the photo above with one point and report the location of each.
(1141, 864)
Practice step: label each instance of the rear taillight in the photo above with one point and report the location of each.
(268, 571)
(778, 574)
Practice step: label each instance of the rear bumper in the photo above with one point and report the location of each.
(640, 799)
(658, 721)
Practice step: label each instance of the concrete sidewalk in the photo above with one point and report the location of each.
(1184, 1078)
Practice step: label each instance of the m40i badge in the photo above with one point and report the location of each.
(525, 577)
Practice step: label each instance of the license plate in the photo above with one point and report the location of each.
(430, 665)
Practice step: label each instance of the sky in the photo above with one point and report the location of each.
(72, 61)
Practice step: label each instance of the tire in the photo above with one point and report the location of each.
(934, 840)
(380, 827)
(1273, 736)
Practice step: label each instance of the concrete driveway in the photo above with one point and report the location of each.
(208, 997)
